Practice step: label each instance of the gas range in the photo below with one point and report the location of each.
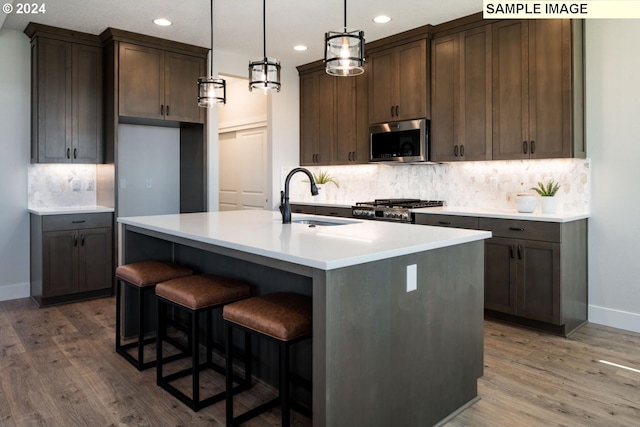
(396, 210)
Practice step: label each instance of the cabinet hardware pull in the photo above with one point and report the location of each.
(82, 240)
(516, 229)
(462, 151)
(68, 153)
(392, 111)
(520, 252)
(533, 147)
(444, 222)
(75, 153)
(79, 221)
(75, 240)
(455, 150)
(525, 147)
(167, 110)
(396, 111)
(512, 249)
(162, 110)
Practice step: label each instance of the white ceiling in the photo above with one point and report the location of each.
(238, 23)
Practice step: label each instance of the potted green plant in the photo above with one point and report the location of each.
(547, 194)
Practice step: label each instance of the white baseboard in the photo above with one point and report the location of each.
(614, 318)
(15, 291)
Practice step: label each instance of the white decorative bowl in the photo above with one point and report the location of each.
(526, 203)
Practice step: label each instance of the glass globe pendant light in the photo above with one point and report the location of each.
(211, 90)
(344, 51)
(264, 73)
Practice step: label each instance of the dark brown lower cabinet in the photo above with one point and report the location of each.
(71, 257)
(327, 210)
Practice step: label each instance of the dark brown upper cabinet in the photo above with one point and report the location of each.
(398, 88)
(333, 118)
(66, 96)
(155, 84)
(537, 89)
(461, 96)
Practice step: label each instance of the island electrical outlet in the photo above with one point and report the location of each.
(412, 277)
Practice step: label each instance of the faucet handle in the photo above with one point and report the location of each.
(281, 207)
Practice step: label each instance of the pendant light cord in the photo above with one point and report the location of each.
(211, 64)
(345, 16)
(264, 29)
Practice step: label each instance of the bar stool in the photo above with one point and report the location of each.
(195, 295)
(142, 277)
(284, 318)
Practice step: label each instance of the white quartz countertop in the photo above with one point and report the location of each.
(70, 210)
(323, 247)
(504, 214)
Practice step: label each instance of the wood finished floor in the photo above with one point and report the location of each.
(58, 368)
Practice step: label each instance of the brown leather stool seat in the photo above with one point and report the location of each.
(142, 277)
(285, 318)
(196, 294)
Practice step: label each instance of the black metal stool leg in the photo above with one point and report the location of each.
(141, 313)
(118, 315)
(195, 330)
(228, 379)
(284, 383)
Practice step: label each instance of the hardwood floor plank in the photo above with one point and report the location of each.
(58, 367)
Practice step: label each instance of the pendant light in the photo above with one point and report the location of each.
(264, 73)
(211, 91)
(344, 51)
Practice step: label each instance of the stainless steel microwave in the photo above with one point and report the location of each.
(405, 141)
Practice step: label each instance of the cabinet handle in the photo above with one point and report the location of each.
(516, 229)
(533, 147)
(75, 153)
(167, 110)
(455, 150)
(392, 111)
(79, 221)
(525, 147)
(75, 240)
(68, 153)
(396, 111)
(512, 249)
(520, 252)
(462, 151)
(444, 223)
(162, 110)
(82, 240)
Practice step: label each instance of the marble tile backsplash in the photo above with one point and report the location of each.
(50, 185)
(491, 184)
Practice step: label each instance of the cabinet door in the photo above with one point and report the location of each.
(410, 77)
(500, 275)
(59, 263)
(53, 92)
(95, 264)
(327, 132)
(181, 88)
(141, 82)
(345, 119)
(309, 118)
(444, 98)
(87, 104)
(381, 85)
(474, 136)
(550, 88)
(539, 281)
(362, 152)
(510, 90)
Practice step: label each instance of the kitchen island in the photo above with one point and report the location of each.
(397, 309)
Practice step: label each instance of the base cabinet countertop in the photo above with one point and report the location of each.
(378, 324)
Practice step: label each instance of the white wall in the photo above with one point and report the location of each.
(15, 110)
(613, 143)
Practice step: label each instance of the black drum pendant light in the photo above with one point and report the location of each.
(344, 51)
(264, 73)
(211, 91)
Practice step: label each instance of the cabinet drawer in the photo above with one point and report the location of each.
(333, 211)
(468, 222)
(76, 221)
(305, 209)
(520, 229)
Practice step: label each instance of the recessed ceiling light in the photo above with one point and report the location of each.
(300, 47)
(162, 22)
(382, 19)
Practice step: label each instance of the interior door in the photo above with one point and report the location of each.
(243, 169)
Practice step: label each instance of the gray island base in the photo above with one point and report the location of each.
(381, 354)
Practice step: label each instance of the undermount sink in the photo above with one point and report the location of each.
(321, 222)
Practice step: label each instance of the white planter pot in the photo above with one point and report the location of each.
(549, 204)
(526, 203)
